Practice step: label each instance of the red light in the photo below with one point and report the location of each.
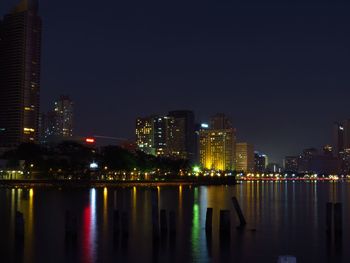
(89, 140)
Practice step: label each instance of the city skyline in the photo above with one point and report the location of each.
(291, 74)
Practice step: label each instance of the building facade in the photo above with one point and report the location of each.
(244, 157)
(260, 162)
(20, 50)
(145, 135)
(183, 140)
(217, 149)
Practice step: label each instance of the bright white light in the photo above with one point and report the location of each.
(204, 125)
(93, 165)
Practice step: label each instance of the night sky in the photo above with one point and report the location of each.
(280, 70)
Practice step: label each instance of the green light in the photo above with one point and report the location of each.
(196, 169)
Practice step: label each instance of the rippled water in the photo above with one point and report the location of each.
(283, 218)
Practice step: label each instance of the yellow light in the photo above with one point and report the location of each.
(31, 192)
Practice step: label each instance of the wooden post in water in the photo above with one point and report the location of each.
(329, 219)
(68, 225)
(209, 220)
(163, 222)
(225, 224)
(155, 214)
(116, 223)
(19, 226)
(338, 221)
(172, 223)
(125, 225)
(239, 212)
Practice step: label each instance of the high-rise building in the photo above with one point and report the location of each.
(346, 140)
(163, 136)
(217, 144)
(220, 121)
(216, 149)
(20, 48)
(63, 110)
(260, 162)
(183, 141)
(145, 135)
(291, 164)
(244, 157)
(338, 137)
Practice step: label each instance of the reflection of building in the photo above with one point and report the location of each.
(183, 136)
(291, 164)
(145, 134)
(216, 149)
(260, 162)
(20, 48)
(244, 157)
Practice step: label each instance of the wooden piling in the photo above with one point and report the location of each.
(172, 223)
(125, 225)
(329, 219)
(19, 225)
(338, 220)
(116, 223)
(209, 219)
(239, 212)
(225, 222)
(163, 222)
(155, 214)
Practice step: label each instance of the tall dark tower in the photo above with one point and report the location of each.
(20, 48)
(184, 133)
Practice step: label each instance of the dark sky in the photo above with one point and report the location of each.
(279, 69)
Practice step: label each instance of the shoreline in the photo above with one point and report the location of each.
(30, 183)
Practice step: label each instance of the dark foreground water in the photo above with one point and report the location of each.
(289, 218)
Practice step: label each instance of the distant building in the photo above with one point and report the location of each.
(220, 122)
(216, 149)
(64, 117)
(183, 134)
(260, 162)
(145, 135)
(244, 157)
(291, 164)
(57, 124)
(338, 137)
(273, 168)
(314, 161)
(163, 127)
(20, 50)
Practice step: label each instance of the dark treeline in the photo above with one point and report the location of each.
(74, 159)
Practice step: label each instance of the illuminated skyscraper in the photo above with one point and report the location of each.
(216, 149)
(164, 136)
(145, 135)
(20, 48)
(244, 157)
(217, 145)
(63, 110)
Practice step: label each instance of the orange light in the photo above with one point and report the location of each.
(89, 140)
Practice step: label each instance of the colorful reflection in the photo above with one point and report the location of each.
(89, 229)
(198, 237)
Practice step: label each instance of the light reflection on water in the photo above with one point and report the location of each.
(289, 218)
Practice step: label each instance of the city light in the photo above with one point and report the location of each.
(89, 140)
